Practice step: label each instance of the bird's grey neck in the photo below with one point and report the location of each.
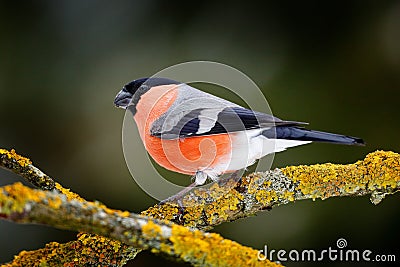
(132, 109)
(136, 98)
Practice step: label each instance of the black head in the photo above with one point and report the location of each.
(130, 94)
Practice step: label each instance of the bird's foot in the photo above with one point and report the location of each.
(233, 177)
(178, 196)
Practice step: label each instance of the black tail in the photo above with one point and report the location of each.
(302, 134)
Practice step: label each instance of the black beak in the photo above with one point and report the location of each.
(123, 99)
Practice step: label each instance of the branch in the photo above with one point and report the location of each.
(23, 166)
(21, 204)
(88, 249)
(378, 174)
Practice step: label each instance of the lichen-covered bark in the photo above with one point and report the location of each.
(21, 204)
(87, 250)
(378, 174)
(23, 166)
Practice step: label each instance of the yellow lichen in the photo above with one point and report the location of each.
(379, 170)
(193, 215)
(197, 210)
(253, 186)
(166, 248)
(22, 161)
(94, 248)
(226, 202)
(288, 196)
(266, 197)
(151, 230)
(211, 249)
(73, 196)
(70, 195)
(14, 198)
(55, 202)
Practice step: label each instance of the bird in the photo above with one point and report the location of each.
(189, 131)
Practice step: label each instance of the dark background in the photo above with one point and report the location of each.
(333, 64)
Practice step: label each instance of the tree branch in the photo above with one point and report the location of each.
(378, 174)
(22, 166)
(21, 204)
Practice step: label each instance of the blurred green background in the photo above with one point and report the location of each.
(333, 64)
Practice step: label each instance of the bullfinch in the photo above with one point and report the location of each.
(189, 131)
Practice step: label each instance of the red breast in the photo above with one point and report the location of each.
(186, 155)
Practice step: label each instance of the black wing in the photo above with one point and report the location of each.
(232, 119)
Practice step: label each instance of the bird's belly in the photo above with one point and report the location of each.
(215, 154)
(191, 154)
(248, 146)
